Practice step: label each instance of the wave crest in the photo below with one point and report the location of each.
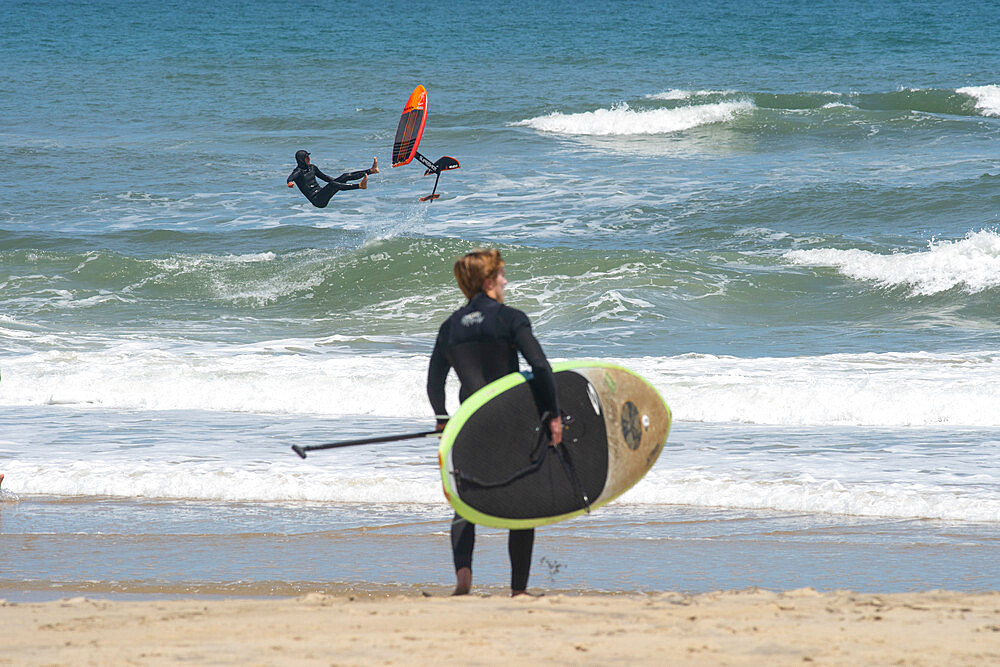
(622, 120)
(679, 94)
(972, 263)
(987, 98)
(967, 101)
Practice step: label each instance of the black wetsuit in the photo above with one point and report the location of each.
(305, 175)
(481, 341)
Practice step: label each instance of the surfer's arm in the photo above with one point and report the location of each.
(437, 374)
(545, 383)
(292, 176)
(531, 350)
(320, 174)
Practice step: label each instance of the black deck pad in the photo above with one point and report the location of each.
(500, 438)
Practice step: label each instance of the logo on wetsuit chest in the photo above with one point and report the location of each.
(472, 319)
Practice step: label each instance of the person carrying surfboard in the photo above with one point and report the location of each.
(481, 341)
(305, 174)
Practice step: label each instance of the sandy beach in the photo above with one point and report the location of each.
(781, 215)
(750, 627)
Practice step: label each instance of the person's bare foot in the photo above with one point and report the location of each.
(364, 183)
(374, 169)
(515, 594)
(463, 584)
(1, 478)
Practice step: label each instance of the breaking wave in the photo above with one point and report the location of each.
(987, 98)
(972, 264)
(622, 120)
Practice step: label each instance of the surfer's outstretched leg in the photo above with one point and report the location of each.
(519, 545)
(341, 182)
(352, 176)
(463, 539)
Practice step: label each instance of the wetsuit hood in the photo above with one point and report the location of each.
(300, 158)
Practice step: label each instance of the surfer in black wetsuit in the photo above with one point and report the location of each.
(305, 175)
(481, 341)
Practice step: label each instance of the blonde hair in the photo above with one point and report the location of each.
(475, 268)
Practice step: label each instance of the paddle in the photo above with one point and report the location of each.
(301, 450)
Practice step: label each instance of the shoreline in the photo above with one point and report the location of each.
(724, 627)
(12, 592)
(64, 547)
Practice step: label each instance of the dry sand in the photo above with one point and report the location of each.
(729, 628)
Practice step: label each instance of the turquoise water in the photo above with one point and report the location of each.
(785, 216)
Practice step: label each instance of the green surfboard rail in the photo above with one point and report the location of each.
(473, 404)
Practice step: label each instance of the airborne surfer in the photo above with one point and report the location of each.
(305, 175)
(481, 341)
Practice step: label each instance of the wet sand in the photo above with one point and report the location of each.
(750, 627)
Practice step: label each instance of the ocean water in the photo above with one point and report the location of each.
(785, 216)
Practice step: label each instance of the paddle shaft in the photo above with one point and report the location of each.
(301, 450)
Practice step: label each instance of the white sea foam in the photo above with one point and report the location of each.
(216, 273)
(987, 98)
(140, 375)
(705, 466)
(893, 389)
(295, 480)
(972, 263)
(621, 120)
(192, 263)
(308, 377)
(806, 493)
(615, 305)
(291, 480)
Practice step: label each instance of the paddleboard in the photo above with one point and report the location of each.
(497, 468)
